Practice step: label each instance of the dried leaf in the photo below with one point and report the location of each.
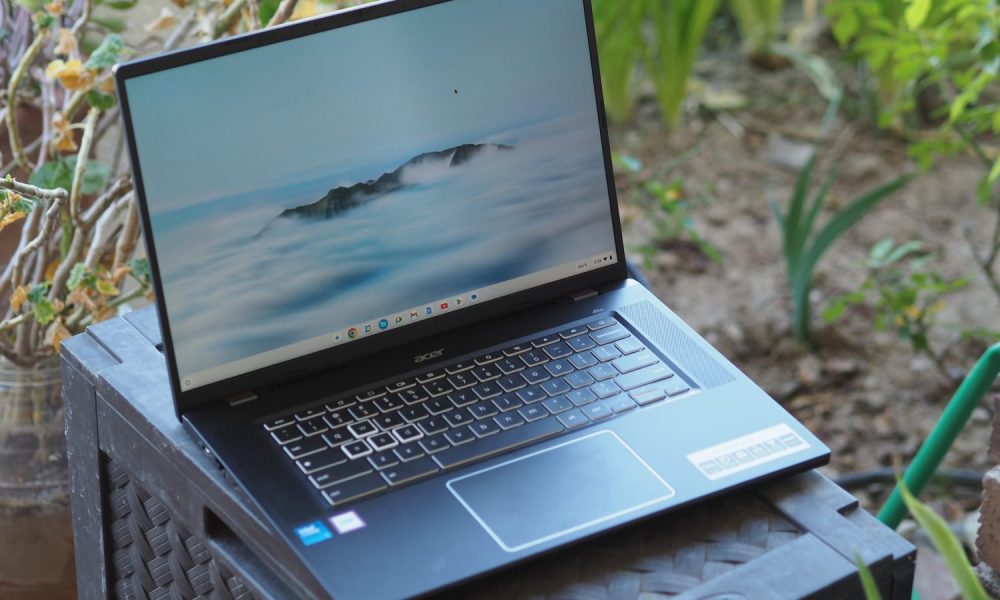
(63, 139)
(119, 274)
(180, 3)
(107, 86)
(107, 288)
(67, 42)
(18, 297)
(80, 298)
(304, 10)
(56, 333)
(54, 8)
(50, 271)
(11, 218)
(70, 73)
(164, 21)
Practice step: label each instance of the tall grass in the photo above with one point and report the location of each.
(759, 22)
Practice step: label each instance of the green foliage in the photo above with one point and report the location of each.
(59, 174)
(803, 248)
(42, 308)
(106, 54)
(905, 294)
(140, 270)
(100, 100)
(669, 213)
(267, 10)
(947, 545)
(867, 580)
(759, 22)
(663, 36)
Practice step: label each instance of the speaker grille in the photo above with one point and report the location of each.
(678, 345)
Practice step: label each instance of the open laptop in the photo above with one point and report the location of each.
(391, 282)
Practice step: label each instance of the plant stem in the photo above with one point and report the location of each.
(48, 223)
(227, 17)
(284, 12)
(15, 81)
(26, 189)
(81, 164)
(13, 322)
(88, 8)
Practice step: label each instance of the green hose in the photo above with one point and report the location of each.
(952, 420)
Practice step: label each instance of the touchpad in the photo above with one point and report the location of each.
(559, 490)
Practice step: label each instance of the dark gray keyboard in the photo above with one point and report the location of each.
(364, 443)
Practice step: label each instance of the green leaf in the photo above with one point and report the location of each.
(107, 54)
(867, 580)
(100, 101)
(115, 24)
(916, 13)
(25, 205)
(38, 293)
(846, 27)
(947, 545)
(52, 175)
(267, 10)
(119, 4)
(140, 269)
(994, 175)
(76, 276)
(44, 311)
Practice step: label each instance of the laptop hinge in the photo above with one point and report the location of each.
(582, 294)
(243, 398)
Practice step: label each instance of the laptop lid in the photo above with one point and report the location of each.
(331, 188)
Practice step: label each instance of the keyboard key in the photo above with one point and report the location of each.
(356, 449)
(354, 489)
(489, 357)
(557, 405)
(437, 388)
(532, 394)
(621, 403)
(338, 437)
(458, 417)
(408, 433)
(558, 368)
(558, 350)
(370, 395)
(409, 452)
(634, 362)
(389, 403)
(509, 420)
(606, 353)
(429, 376)
(463, 398)
(383, 441)
(601, 323)
(339, 404)
(516, 349)
(278, 423)
(433, 425)
(580, 379)
(581, 397)
(413, 395)
(629, 346)
(501, 442)
(603, 371)
(459, 367)
(383, 460)
(462, 380)
(338, 418)
(485, 391)
(484, 428)
(579, 344)
(511, 383)
(313, 427)
(457, 437)
(362, 411)
(437, 406)
(487, 372)
(597, 412)
(644, 376)
(573, 419)
(573, 332)
(362, 429)
(676, 388)
(435, 443)
(611, 334)
(533, 358)
(556, 387)
(648, 394)
(286, 435)
(583, 360)
(310, 413)
(409, 471)
(400, 385)
(320, 461)
(533, 412)
(341, 473)
(545, 340)
(535, 375)
(412, 414)
(510, 365)
(389, 420)
(605, 389)
(482, 410)
(303, 448)
(507, 402)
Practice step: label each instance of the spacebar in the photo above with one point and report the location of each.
(501, 442)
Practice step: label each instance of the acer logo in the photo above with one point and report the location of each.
(430, 355)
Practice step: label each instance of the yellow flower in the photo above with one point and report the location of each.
(70, 73)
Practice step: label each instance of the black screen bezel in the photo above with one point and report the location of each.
(329, 358)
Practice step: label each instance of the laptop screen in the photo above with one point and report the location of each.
(320, 190)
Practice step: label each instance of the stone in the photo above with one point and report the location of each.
(808, 370)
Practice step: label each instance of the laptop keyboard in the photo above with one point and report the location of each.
(384, 437)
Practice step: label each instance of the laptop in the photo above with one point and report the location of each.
(395, 305)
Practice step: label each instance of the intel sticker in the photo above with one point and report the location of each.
(347, 522)
(313, 533)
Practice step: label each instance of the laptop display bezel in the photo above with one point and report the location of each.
(331, 357)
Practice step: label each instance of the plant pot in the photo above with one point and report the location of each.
(36, 544)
